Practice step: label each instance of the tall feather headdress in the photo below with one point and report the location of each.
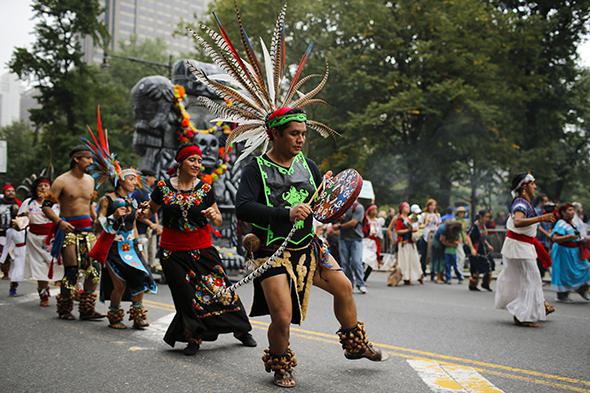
(105, 165)
(256, 88)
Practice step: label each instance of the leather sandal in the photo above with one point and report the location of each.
(284, 379)
(525, 324)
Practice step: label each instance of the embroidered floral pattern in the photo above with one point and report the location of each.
(184, 199)
(207, 286)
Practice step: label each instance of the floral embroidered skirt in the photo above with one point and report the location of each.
(194, 277)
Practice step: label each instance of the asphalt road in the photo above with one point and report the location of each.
(441, 338)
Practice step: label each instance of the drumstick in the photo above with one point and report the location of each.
(317, 191)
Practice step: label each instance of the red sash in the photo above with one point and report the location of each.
(41, 229)
(542, 254)
(174, 240)
(584, 251)
(20, 244)
(101, 248)
(569, 244)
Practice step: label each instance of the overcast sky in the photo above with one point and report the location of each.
(16, 27)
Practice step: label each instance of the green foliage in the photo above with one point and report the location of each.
(22, 158)
(70, 89)
(431, 95)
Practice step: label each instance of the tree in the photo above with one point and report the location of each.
(56, 68)
(436, 94)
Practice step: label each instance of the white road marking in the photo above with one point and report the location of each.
(157, 328)
(444, 378)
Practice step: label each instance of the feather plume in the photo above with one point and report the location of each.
(298, 86)
(251, 55)
(229, 65)
(269, 75)
(314, 91)
(254, 82)
(223, 110)
(322, 129)
(232, 47)
(236, 132)
(225, 91)
(312, 101)
(300, 67)
(278, 51)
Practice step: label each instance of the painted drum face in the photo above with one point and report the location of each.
(338, 195)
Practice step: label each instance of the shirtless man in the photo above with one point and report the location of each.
(73, 191)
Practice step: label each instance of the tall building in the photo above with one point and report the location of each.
(28, 102)
(10, 91)
(146, 19)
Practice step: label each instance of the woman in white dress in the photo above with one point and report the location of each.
(38, 264)
(407, 254)
(519, 288)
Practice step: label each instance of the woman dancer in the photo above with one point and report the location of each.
(519, 288)
(191, 264)
(125, 276)
(38, 264)
(569, 272)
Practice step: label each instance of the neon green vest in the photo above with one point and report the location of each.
(287, 187)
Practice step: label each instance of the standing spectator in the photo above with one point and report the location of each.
(351, 245)
(9, 204)
(437, 255)
(149, 229)
(408, 258)
(482, 263)
(579, 220)
(501, 219)
(460, 214)
(450, 239)
(372, 241)
(391, 234)
(430, 221)
(390, 217)
(448, 215)
(570, 272)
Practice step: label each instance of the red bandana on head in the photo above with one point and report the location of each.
(186, 152)
(7, 187)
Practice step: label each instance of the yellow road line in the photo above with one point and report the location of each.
(409, 353)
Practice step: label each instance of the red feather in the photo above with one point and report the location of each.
(232, 48)
(300, 67)
(103, 143)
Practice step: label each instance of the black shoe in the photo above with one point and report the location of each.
(487, 288)
(474, 289)
(246, 339)
(191, 349)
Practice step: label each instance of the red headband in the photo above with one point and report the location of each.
(44, 181)
(186, 152)
(7, 187)
(279, 112)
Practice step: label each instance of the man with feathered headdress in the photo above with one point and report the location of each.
(275, 188)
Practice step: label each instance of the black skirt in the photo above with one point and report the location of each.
(193, 278)
(136, 280)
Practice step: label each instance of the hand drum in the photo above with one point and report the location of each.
(338, 194)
